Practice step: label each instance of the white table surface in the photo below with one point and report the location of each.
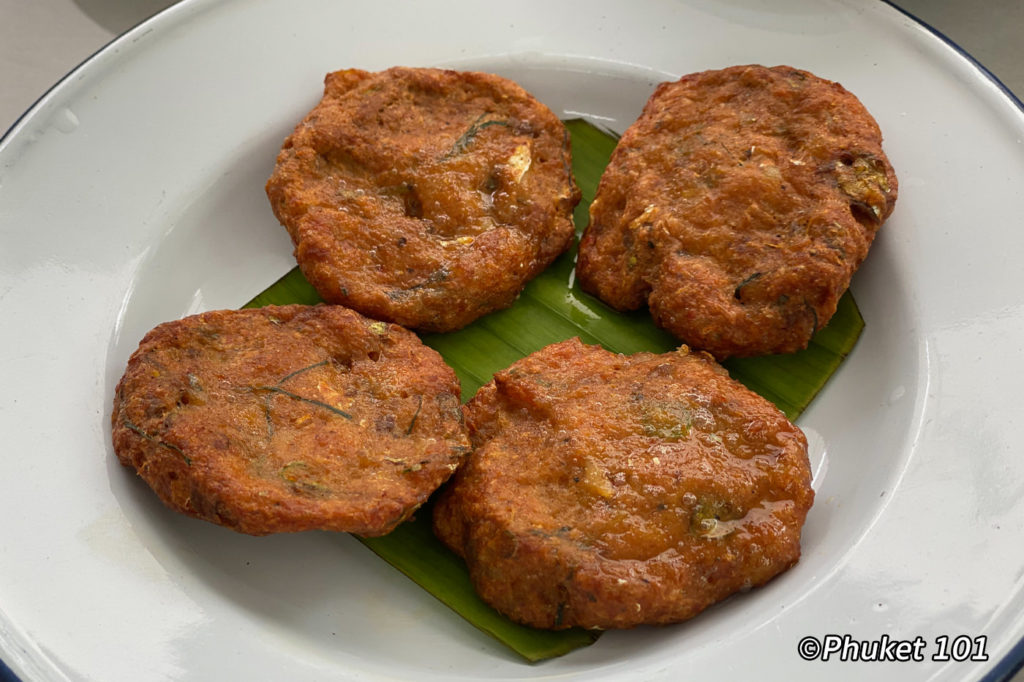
(41, 40)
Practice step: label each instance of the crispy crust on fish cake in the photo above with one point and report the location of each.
(738, 207)
(423, 196)
(289, 418)
(609, 491)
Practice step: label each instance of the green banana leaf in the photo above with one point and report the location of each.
(552, 308)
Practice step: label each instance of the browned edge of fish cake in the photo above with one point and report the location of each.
(737, 207)
(425, 197)
(609, 491)
(289, 418)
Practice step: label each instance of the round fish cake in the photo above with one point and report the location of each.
(738, 207)
(289, 418)
(425, 197)
(608, 491)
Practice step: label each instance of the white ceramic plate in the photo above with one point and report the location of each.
(132, 194)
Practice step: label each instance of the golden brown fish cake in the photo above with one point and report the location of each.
(423, 196)
(738, 207)
(608, 491)
(289, 418)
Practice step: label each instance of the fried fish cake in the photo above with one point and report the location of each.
(608, 491)
(289, 418)
(738, 207)
(423, 196)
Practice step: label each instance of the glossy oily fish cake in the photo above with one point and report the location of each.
(609, 491)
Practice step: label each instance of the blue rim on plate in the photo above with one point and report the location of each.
(6, 675)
